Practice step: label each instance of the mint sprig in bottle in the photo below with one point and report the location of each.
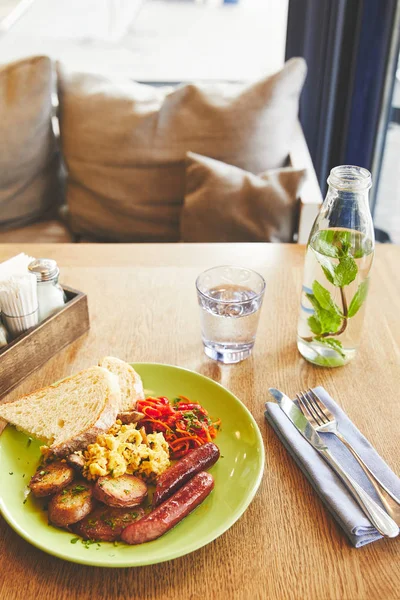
(339, 257)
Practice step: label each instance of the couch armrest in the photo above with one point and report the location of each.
(310, 197)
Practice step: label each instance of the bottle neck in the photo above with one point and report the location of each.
(345, 210)
(359, 199)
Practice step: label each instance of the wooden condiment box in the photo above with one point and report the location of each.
(32, 349)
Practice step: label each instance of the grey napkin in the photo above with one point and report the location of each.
(328, 486)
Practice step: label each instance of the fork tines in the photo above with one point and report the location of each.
(313, 408)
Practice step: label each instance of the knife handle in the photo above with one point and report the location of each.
(378, 517)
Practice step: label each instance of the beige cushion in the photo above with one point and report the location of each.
(42, 232)
(125, 144)
(28, 157)
(227, 204)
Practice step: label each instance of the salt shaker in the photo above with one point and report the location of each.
(50, 294)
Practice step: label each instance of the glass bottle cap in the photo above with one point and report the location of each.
(45, 269)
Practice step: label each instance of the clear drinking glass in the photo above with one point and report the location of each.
(338, 260)
(230, 300)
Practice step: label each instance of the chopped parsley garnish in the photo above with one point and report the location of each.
(74, 540)
(110, 523)
(87, 543)
(77, 489)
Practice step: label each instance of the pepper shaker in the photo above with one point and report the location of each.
(50, 294)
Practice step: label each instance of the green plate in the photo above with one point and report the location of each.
(237, 476)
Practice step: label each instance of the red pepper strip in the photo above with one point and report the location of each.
(166, 410)
(149, 411)
(143, 404)
(188, 406)
(149, 400)
(164, 400)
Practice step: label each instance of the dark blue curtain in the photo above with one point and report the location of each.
(346, 45)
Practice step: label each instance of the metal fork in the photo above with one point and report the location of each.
(321, 419)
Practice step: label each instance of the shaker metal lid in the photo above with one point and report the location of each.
(45, 269)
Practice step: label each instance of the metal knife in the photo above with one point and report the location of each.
(378, 517)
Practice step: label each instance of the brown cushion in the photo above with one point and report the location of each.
(28, 155)
(42, 232)
(125, 144)
(227, 204)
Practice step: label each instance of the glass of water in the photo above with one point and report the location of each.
(230, 300)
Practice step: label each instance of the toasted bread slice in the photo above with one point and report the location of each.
(129, 381)
(68, 415)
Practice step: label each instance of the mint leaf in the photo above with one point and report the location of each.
(345, 272)
(333, 343)
(314, 324)
(334, 243)
(326, 265)
(341, 274)
(358, 298)
(324, 298)
(327, 249)
(339, 243)
(323, 361)
(329, 274)
(330, 321)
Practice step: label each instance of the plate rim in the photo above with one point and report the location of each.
(178, 553)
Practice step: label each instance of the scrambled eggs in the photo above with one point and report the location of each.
(124, 449)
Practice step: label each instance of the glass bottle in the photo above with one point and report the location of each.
(339, 257)
(50, 294)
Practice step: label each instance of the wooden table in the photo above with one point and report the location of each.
(143, 307)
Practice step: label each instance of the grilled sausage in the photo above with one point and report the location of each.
(172, 479)
(105, 524)
(169, 513)
(72, 504)
(120, 492)
(51, 478)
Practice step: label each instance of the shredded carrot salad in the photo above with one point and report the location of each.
(185, 424)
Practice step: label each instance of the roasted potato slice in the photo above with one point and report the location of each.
(120, 492)
(105, 523)
(51, 478)
(72, 504)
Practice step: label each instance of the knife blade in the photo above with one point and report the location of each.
(378, 517)
(298, 419)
